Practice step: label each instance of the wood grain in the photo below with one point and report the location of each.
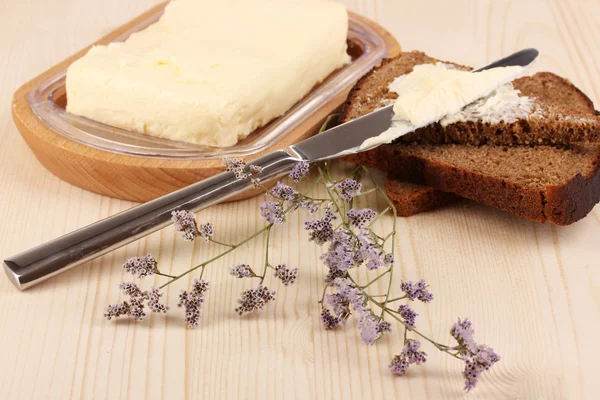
(533, 291)
(140, 178)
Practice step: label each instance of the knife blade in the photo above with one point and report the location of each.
(347, 138)
(46, 260)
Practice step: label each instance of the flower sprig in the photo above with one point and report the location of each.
(351, 244)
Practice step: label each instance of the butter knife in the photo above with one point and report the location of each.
(51, 258)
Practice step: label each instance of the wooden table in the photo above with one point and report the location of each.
(533, 291)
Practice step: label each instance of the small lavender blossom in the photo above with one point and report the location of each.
(384, 327)
(254, 169)
(481, 361)
(340, 306)
(284, 192)
(141, 266)
(192, 301)
(321, 230)
(308, 205)
(360, 218)
(368, 329)
(236, 166)
(206, 231)
(241, 270)
(410, 355)
(407, 314)
(367, 252)
(463, 332)
(348, 188)
(153, 296)
(285, 275)
(252, 300)
(116, 310)
(299, 171)
(332, 274)
(341, 252)
(135, 308)
(417, 291)
(388, 259)
(329, 320)
(185, 223)
(348, 291)
(130, 289)
(399, 365)
(272, 212)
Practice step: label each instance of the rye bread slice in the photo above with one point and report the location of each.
(561, 113)
(411, 199)
(541, 183)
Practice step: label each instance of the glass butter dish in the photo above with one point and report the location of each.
(47, 99)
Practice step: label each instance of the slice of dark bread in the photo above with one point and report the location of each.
(411, 199)
(539, 183)
(561, 115)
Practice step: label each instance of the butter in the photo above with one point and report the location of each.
(432, 92)
(211, 72)
(505, 104)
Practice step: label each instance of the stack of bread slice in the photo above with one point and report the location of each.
(543, 167)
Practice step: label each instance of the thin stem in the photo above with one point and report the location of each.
(267, 264)
(221, 243)
(255, 234)
(397, 298)
(166, 275)
(376, 279)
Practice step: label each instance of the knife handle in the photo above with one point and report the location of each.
(51, 258)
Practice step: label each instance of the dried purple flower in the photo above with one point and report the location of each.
(130, 289)
(383, 327)
(329, 321)
(417, 291)
(481, 361)
(368, 329)
(360, 218)
(407, 314)
(206, 231)
(388, 259)
(185, 222)
(341, 252)
(286, 276)
(348, 188)
(241, 270)
(252, 300)
(192, 301)
(463, 332)
(321, 230)
(284, 192)
(399, 365)
(299, 171)
(116, 310)
(308, 204)
(255, 170)
(135, 308)
(153, 296)
(236, 166)
(272, 212)
(141, 266)
(410, 355)
(349, 292)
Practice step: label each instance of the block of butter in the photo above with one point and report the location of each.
(211, 72)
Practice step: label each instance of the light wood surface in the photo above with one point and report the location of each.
(533, 291)
(140, 178)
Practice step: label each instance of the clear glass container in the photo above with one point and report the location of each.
(48, 100)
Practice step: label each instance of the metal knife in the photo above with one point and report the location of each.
(51, 258)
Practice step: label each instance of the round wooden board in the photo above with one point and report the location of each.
(137, 178)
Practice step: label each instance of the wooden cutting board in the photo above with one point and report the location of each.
(134, 178)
